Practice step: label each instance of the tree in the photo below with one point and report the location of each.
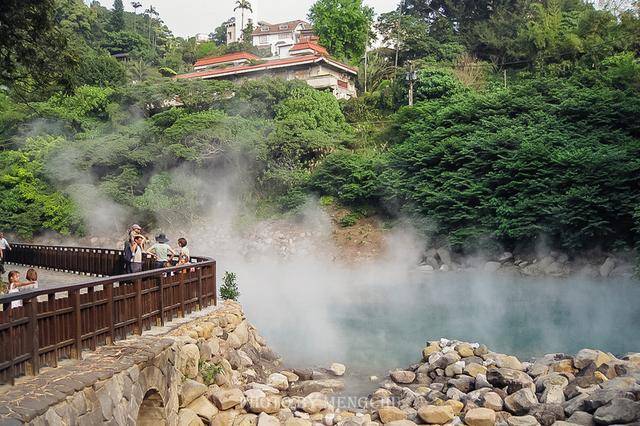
(136, 5)
(116, 23)
(242, 5)
(344, 27)
(219, 35)
(32, 47)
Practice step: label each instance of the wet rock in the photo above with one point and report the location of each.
(520, 402)
(619, 410)
(403, 376)
(337, 369)
(491, 266)
(306, 387)
(436, 414)
(607, 267)
(278, 381)
(389, 414)
(586, 356)
(480, 417)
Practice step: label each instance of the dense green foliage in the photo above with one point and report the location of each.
(523, 125)
(344, 26)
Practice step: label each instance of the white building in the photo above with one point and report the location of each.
(279, 38)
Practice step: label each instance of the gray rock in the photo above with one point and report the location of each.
(547, 414)
(520, 402)
(607, 267)
(522, 421)
(514, 380)
(463, 383)
(619, 410)
(445, 255)
(403, 376)
(491, 266)
(581, 418)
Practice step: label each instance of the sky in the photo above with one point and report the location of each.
(189, 17)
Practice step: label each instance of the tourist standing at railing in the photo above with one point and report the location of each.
(133, 255)
(4, 246)
(15, 285)
(134, 231)
(183, 253)
(161, 251)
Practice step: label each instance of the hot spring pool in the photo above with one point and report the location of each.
(376, 324)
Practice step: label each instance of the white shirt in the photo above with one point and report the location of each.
(137, 255)
(4, 244)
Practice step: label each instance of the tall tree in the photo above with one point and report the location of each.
(242, 5)
(344, 26)
(136, 5)
(117, 16)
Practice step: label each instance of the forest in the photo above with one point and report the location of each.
(525, 122)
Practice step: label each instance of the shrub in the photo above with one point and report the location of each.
(209, 371)
(229, 287)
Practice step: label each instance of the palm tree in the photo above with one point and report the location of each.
(242, 5)
(136, 5)
(149, 12)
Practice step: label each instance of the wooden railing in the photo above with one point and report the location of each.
(42, 326)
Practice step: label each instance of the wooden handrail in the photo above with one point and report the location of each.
(93, 313)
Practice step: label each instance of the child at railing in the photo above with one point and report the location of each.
(15, 285)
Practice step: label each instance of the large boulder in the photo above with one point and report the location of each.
(278, 381)
(433, 414)
(225, 399)
(505, 361)
(190, 391)
(513, 380)
(269, 404)
(306, 387)
(522, 421)
(187, 360)
(619, 410)
(586, 356)
(389, 414)
(265, 419)
(480, 417)
(203, 408)
(520, 402)
(337, 369)
(314, 403)
(608, 266)
(187, 417)
(403, 376)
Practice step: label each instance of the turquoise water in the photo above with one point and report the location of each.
(377, 326)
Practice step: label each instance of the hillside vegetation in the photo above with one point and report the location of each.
(525, 125)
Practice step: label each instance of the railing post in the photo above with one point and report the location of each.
(76, 352)
(161, 302)
(12, 347)
(31, 307)
(137, 285)
(110, 313)
(200, 300)
(215, 281)
(182, 295)
(51, 307)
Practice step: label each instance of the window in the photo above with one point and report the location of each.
(264, 29)
(283, 27)
(264, 39)
(284, 36)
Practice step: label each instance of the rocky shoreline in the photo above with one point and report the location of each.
(551, 263)
(232, 378)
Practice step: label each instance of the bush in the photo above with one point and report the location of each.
(229, 287)
(349, 219)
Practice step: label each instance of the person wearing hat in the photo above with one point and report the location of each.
(161, 251)
(136, 230)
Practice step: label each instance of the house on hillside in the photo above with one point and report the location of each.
(305, 61)
(279, 38)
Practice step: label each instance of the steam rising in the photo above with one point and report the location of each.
(315, 307)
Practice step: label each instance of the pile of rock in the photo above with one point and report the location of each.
(553, 264)
(459, 382)
(232, 378)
